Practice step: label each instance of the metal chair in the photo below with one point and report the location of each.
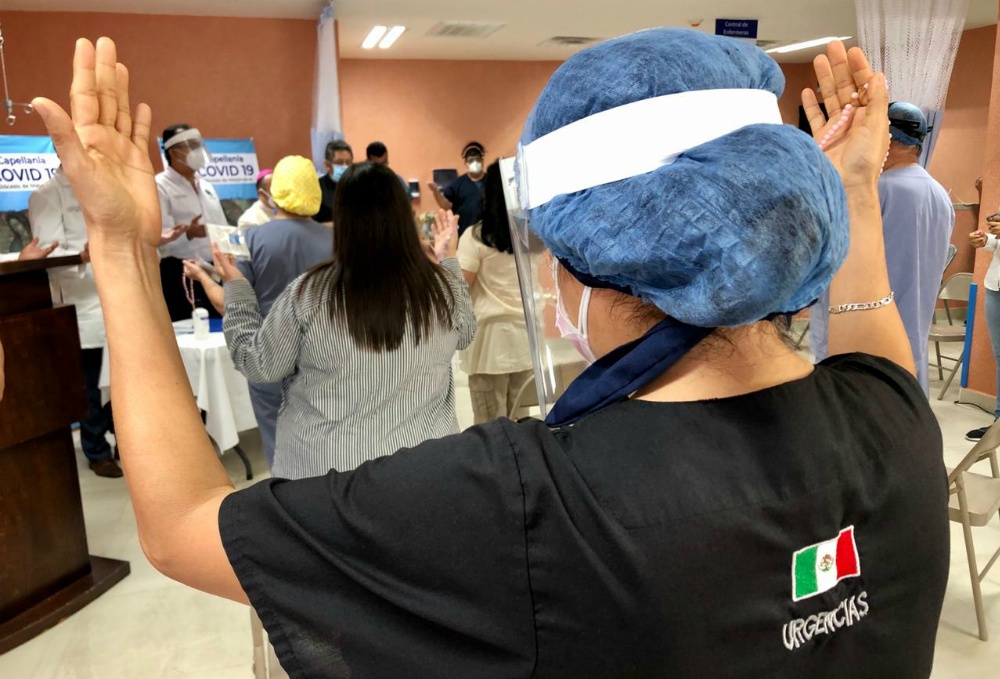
(952, 251)
(956, 288)
(974, 499)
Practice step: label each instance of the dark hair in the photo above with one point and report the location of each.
(495, 229)
(473, 146)
(380, 279)
(170, 132)
(376, 150)
(337, 145)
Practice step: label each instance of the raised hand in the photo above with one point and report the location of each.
(445, 234)
(33, 251)
(978, 239)
(105, 151)
(225, 265)
(859, 145)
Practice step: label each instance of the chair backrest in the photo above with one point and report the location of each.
(985, 445)
(956, 287)
(952, 251)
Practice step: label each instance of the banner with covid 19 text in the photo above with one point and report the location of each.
(233, 170)
(25, 164)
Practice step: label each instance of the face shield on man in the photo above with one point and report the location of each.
(191, 149)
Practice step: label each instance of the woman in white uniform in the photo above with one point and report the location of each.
(498, 361)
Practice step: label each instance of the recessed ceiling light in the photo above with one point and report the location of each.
(807, 44)
(373, 37)
(391, 36)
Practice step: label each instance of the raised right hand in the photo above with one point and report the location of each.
(858, 149)
(978, 239)
(104, 151)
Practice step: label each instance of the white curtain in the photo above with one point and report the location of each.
(914, 42)
(326, 125)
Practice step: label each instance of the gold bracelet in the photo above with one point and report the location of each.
(863, 306)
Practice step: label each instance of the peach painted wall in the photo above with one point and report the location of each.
(982, 367)
(228, 77)
(426, 111)
(961, 146)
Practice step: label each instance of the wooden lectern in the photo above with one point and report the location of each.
(46, 573)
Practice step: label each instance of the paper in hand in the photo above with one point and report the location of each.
(229, 239)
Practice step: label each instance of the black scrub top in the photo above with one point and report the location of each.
(466, 196)
(648, 540)
(329, 189)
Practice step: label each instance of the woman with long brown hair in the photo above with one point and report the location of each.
(363, 343)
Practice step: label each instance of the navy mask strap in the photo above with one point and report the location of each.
(626, 369)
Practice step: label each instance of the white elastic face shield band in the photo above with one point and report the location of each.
(635, 139)
(192, 135)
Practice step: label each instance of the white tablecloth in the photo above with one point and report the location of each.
(219, 389)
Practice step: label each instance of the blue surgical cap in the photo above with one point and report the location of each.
(737, 229)
(907, 124)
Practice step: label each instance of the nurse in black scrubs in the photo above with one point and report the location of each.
(701, 502)
(464, 196)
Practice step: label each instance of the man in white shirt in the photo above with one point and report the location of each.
(264, 210)
(55, 217)
(187, 204)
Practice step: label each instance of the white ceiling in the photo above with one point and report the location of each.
(528, 22)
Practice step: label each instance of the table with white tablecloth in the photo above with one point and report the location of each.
(219, 389)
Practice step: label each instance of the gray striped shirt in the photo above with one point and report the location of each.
(342, 404)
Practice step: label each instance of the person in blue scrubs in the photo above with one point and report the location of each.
(917, 219)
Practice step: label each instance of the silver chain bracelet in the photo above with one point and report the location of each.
(863, 306)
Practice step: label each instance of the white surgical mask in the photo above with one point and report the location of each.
(196, 159)
(577, 336)
(475, 166)
(269, 201)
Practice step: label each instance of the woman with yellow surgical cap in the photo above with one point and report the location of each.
(280, 251)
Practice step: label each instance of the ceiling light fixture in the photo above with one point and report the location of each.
(391, 37)
(373, 37)
(795, 47)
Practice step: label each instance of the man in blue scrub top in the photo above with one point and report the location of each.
(917, 220)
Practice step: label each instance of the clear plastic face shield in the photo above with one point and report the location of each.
(191, 149)
(556, 361)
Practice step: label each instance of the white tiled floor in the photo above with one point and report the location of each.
(150, 627)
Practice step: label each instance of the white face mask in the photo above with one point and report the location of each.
(475, 166)
(575, 335)
(196, 159)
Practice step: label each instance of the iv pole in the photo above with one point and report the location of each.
(7, 102)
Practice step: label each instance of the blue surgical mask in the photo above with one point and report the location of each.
(338, 172)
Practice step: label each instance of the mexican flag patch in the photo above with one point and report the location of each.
(818, 568)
